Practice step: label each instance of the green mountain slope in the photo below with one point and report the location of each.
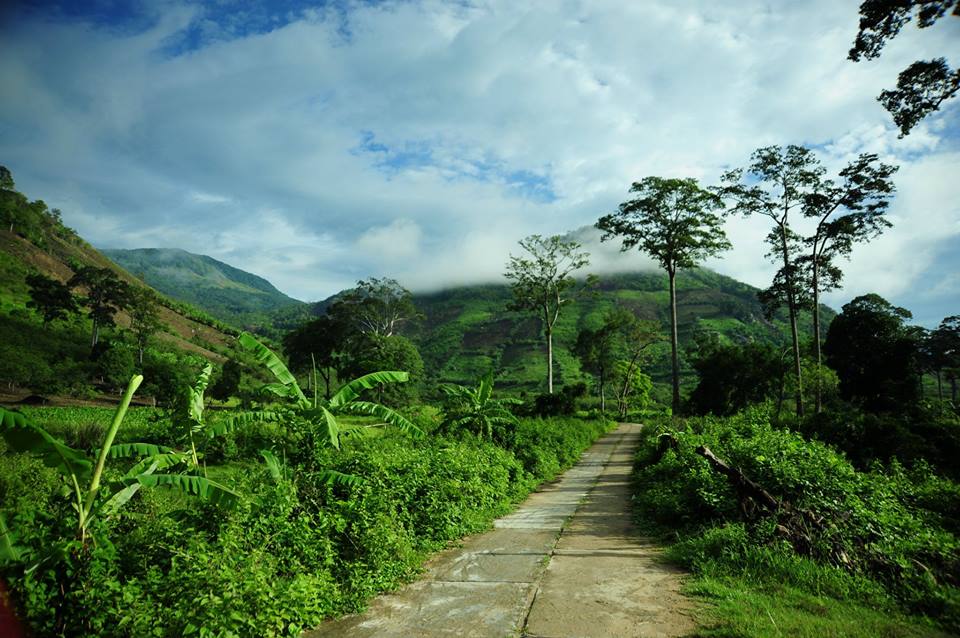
(468, 331)
(228, 293)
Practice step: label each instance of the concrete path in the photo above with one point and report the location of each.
(567, 563)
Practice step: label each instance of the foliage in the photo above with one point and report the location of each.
(778, 182)
(371, 353)
(106, 295)
(876, 544)
(874, 353)
(50, 298)
(299, 548)
(319, 344)
(924, 85)
(732, 377)
(563, 403)
(475, 410)
(317, 418)
(673, 221)
(144, 318)
(377, 307)
(540, 282)
(228, 381)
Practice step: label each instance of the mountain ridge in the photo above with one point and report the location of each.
(225, 291)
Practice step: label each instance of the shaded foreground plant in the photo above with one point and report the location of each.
(92, 498)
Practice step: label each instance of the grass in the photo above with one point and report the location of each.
(738, 606)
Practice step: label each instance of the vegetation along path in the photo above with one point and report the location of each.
(566, 563)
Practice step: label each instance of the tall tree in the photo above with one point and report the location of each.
(945, 344)
(105, 296)
(597, 350)
(846, 213)
(542, 279)
(637, 336)
(144, 318)
(778, 182)
(50, 298)
(875, 354)
(924, 85)
(319, 345)
(376, 307)
(674, 221)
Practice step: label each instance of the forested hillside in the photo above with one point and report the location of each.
(46, 271)
(228, 293)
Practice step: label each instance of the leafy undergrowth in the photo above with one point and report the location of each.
(297, 549)
(884, 561)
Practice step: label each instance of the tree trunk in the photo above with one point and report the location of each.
(548, 329)
(96, 334)
(603, 399)
(792, 307)
(818, 394)
(939, 393)
(674, 357)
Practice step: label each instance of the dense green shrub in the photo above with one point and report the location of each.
(297, 549)
(562, 403)
(880, 526)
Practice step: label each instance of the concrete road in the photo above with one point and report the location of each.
(567, 563)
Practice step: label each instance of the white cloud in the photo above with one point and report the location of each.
(316, 159)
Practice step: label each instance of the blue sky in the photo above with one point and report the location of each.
(319, 143)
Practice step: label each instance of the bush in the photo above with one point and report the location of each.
(296, 549)
(561, 403)
(880, 526)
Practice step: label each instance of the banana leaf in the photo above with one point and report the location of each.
(195, 405)
(352, 390)
(266, 356)
(242, 420)
(23, 436)
(193, 485)
(273, 464)
(129, 450)
(383, 413)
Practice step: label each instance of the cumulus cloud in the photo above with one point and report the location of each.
(318, 146)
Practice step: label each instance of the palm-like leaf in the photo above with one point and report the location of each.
(195, 404)
(9, 552)
(264, 355)
(157, 462)
(331, 427)
(273, 464)
(352, 390)
(243, 420)
(194, 485)
(383, 413)
(23, 436)
(485, 389)
(332, 477)
(130, 450)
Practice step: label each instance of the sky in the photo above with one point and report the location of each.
(316, 144)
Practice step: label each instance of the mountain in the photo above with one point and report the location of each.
(228, 293)
(468, 331)
(56, 358)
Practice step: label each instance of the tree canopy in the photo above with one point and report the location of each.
(541, 280)
(674, 221)
(924, 85)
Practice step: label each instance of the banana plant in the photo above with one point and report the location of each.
(91, 497)
(475, 409)
(322, 413)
